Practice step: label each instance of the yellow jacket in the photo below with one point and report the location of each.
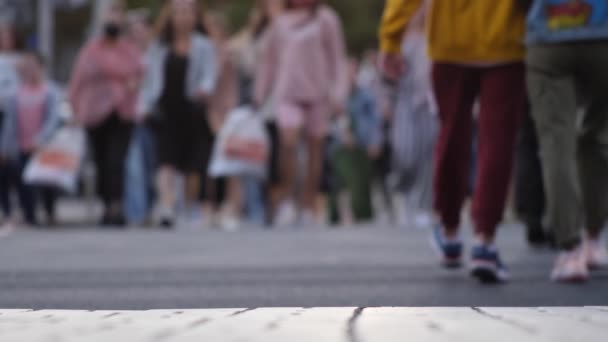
(460, 31)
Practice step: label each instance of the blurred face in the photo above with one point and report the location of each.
(140, 32)
(115, 14)
(7, 39)
(183, 15)
(114, 21)
(30, 70)
(304, 3)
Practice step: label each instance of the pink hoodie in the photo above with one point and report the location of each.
(304, 60)
(106, 78)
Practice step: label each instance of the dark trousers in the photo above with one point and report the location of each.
(562, 79)
(110, 142)
(529, 188)
(501, 95)
(29, 195)
(353, 172)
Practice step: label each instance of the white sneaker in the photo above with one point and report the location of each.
(424, 221)
(571, 267)
(596, 254)
(286, 215)
(230, 223)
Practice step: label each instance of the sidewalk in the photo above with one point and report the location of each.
(587, 324)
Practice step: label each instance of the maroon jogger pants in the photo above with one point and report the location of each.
(500, 91)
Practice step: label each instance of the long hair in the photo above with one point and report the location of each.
(167, 32)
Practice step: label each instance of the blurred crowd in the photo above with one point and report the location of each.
(169, 106)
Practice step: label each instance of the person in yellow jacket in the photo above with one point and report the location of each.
(477, 51)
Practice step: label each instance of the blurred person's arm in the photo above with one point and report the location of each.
(8, 133)
(53, 117)
(395, 20)
(267, 64)
(375, 121)
(79, 76)
(210, 74)
(336, 46)
(149, 80)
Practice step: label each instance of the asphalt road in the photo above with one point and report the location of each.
(86, 268)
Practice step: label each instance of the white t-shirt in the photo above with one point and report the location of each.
(9, 78)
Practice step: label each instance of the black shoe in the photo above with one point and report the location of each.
(119, 221)
(167, 223)
(105, 221)
(536, 235)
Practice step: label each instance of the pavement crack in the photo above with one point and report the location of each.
(198, 323)
(240, 312)
(351, 326)
(512, 323)
(434, 327)
(114, 314)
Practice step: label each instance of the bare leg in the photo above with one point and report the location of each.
(193, 187)
(314, 170)
(289, 162)
(166, 189)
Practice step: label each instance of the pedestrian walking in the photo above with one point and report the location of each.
(9, 82)
(567, 71)
(179, 83)
(359, 142)
(32, 115)
(304, 70)
(247, 48)
(476, 49)
(223, 210)
(141, 157)
(415, 127)
(529, 188)
(103, 92)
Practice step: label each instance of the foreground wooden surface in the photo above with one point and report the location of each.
(309, 324)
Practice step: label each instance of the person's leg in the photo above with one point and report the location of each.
(97, 139)
(26, 192)
(360, 186)
(315, 122)
(553, 95)
(502, 101)
(456, 88)
(114, 171)
(340, 206)
(48, 196)
(552, 92)
(290, 123)
(593, 149)
(5, 203)
(272, 188)
(135, 204)
(529, 188)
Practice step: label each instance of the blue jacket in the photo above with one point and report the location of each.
(9, 139)
(557, 21)
(365, 119)
(202, 72)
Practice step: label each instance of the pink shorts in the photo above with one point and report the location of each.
(313, 118)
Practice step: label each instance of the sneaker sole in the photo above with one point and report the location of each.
(575, 279)
(447, 263)
(487, 273)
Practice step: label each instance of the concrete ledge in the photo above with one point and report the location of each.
(587, 324)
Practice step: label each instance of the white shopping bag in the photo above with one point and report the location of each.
(242, 146)
(58, 163)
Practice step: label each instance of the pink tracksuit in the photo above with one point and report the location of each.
(304, 69)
